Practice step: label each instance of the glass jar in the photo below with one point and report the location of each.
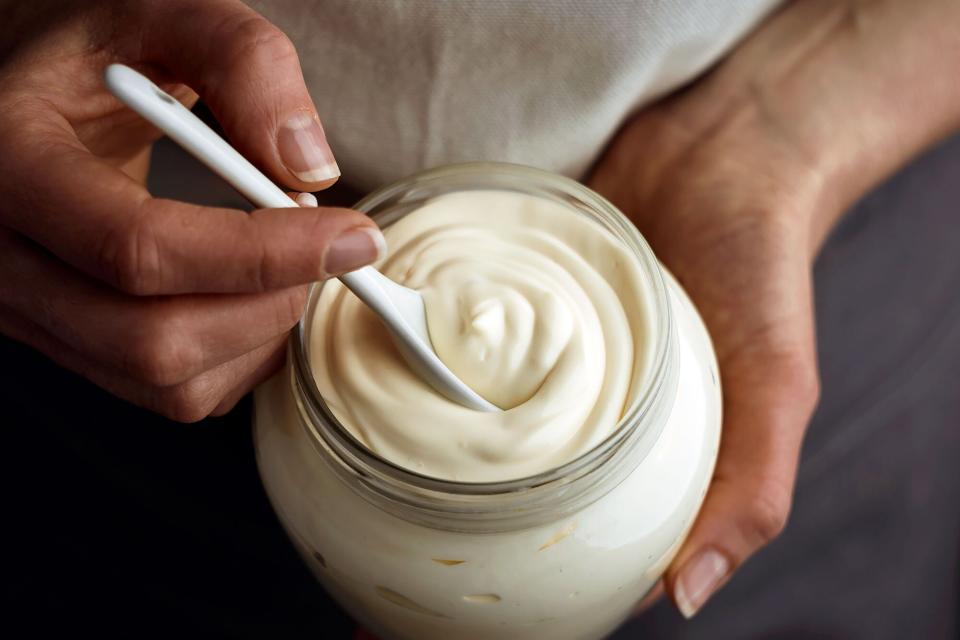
(562, 555)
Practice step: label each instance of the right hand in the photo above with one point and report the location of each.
(178, 308)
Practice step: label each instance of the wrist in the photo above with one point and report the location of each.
(834, 96)
(739, 167)
(856, 88)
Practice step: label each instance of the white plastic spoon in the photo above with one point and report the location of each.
(400, 308)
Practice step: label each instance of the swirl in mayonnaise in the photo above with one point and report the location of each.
(538, 308)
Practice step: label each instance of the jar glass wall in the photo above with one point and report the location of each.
(564, 554)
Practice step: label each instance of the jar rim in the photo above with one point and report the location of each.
(634, 417)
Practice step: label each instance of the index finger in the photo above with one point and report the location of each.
(93, 216)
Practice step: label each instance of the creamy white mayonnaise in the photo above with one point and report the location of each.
(533, 303)
(573, 578)
(540, 310)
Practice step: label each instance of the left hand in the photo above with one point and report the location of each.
(728, 210)
(735, 181)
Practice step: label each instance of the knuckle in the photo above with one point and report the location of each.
(261, 273)
(808, 388)
(162, 354)
(130, 258)
(259, 41)
(802, 380)
(767, 513)
(191, 401)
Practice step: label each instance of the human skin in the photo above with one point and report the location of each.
(178, 308)
(735, 181)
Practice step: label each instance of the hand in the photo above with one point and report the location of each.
(179, 308)
(736, 181)
(728, 210)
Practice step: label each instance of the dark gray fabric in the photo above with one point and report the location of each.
(871, 549)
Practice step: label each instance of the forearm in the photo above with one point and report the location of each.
(884, 85)
(853, 88)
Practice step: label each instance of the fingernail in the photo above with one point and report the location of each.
(306, 199)
(698, 580)
(353, 249)
(304, 149)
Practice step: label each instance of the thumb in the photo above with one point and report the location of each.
(248, 73)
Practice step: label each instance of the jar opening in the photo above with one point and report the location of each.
(638, 425)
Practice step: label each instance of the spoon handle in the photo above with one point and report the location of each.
(401, 309)
(167, 114)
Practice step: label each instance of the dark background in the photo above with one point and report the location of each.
(122, 523)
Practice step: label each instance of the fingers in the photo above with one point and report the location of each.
(248, 72)
(107, 225)
(212, 391)
(157, 341)
(95, 217)
(769, 397)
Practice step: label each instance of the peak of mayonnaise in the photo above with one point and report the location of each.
(535, 306)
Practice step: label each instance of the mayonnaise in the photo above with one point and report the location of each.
(539, 309)
(563, 324)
